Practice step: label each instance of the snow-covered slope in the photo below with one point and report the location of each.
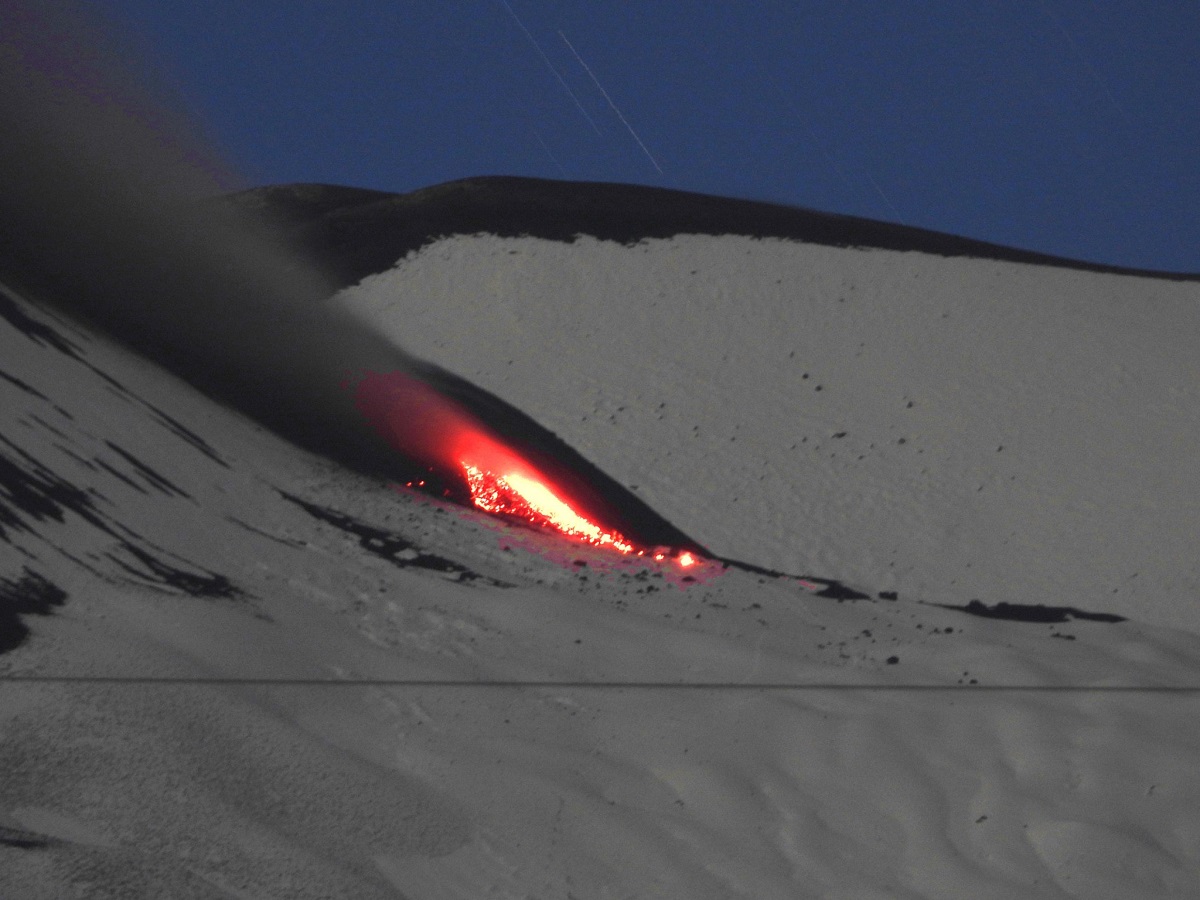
(264, 675)
(946, 428)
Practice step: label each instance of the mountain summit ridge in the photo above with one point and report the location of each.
(358, 231)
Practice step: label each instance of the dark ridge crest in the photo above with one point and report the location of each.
(361, 232)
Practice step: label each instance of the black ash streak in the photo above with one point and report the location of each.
(185, 434)
(390, 547)
(21, 385)
(31, 493)
(159, 482)
(30, 490)
(286, 542)
(19, 839)
(162, 574)
(46, 336)
(1021, 612)
(116, 473)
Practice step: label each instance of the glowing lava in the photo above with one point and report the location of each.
(529, 499)
(459, 450)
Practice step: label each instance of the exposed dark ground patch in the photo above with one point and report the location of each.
(829, 588)
(30, 488)
(360, 232)
(32, 493)
(147, 562)
(391, 547)
(835, 590)
(1021, 612)
(29, 595)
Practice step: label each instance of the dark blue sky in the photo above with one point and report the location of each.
(1064, 126)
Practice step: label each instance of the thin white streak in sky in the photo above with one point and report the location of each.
(553, 159)
(649, 155)
(833, 165)
(1088, 67)
(880, 192)
(550, 66)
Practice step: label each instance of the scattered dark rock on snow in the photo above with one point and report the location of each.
(30, 595)
(391, 547)
(1022, 612)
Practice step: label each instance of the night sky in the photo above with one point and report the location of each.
(1065, 126)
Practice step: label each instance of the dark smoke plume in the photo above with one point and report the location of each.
(108, 210)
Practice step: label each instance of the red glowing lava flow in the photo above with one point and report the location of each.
(450, 441)
(526, 498)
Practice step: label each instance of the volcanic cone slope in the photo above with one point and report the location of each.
(241, 669)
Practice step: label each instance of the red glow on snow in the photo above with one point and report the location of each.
(452, 443)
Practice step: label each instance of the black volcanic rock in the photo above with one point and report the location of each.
(32, 594)
(1031, 612)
